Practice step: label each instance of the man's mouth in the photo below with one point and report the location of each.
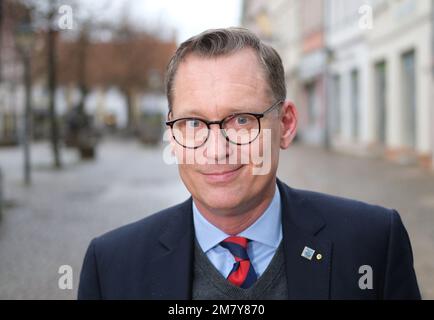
(222, 175)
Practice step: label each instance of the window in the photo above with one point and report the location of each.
(311, 103)
(380, 100)
(355, 104)
(336, 125)
(409, 99)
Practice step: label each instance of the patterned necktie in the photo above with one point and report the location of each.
(242, 275)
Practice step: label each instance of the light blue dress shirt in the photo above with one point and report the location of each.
(265, 235)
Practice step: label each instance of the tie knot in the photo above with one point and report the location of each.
(237, 240)
(237, 247)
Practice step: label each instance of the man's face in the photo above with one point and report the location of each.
(212, 89)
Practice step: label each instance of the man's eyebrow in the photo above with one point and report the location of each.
(186, 113)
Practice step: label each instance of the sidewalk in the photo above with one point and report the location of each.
(51, 223)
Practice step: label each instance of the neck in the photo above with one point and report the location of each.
(234, 221)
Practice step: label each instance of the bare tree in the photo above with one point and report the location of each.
(52, 35)
(45, 16)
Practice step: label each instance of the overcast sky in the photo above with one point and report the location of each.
(188, 17)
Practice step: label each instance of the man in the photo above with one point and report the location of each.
(244, 234)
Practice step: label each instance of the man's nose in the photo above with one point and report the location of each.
(217, 147)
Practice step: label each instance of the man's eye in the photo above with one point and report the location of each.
(193, 123)
(242, 120)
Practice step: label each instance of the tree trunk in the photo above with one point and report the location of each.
(1, 39)
(27, 119)
(82, 50)
(52, 84)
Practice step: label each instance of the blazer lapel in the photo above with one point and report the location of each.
(172, 270)
(307, 278)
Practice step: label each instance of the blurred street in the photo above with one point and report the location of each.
(51, 223)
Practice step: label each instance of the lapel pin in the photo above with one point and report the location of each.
(319, 256)
(308, 253)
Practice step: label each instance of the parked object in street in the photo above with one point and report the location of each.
(80, 133)
(151, 129)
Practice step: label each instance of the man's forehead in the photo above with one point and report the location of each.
(244, 63)
(222, 80)
(214, 87)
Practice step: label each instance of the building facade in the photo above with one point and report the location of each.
(360, 72)
(276, 22)
(312, 73)
(296, 29)
(399, 107)
(348, 77)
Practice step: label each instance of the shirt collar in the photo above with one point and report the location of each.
(266, 230)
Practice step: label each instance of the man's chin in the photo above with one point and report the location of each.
(222, 201)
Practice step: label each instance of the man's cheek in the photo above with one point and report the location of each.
(261, 153)
(184, 155)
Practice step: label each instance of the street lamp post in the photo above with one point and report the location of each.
(24, 41)
(1, 33)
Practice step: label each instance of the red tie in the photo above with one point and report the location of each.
(242, 275)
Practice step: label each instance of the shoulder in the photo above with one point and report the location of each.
(360, 234)
(342, 218)
(143, 232)
(333, 207)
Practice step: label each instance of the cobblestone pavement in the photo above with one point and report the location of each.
(51, 223)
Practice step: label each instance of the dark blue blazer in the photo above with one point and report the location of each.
(153, 258)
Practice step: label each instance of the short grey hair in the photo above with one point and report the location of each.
(219, 42)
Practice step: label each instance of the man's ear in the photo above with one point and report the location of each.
(288, 124)
(172, 141)
(172, 146)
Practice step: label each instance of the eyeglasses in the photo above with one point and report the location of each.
(237, 128)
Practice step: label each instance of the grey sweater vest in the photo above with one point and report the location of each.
(208, 282)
